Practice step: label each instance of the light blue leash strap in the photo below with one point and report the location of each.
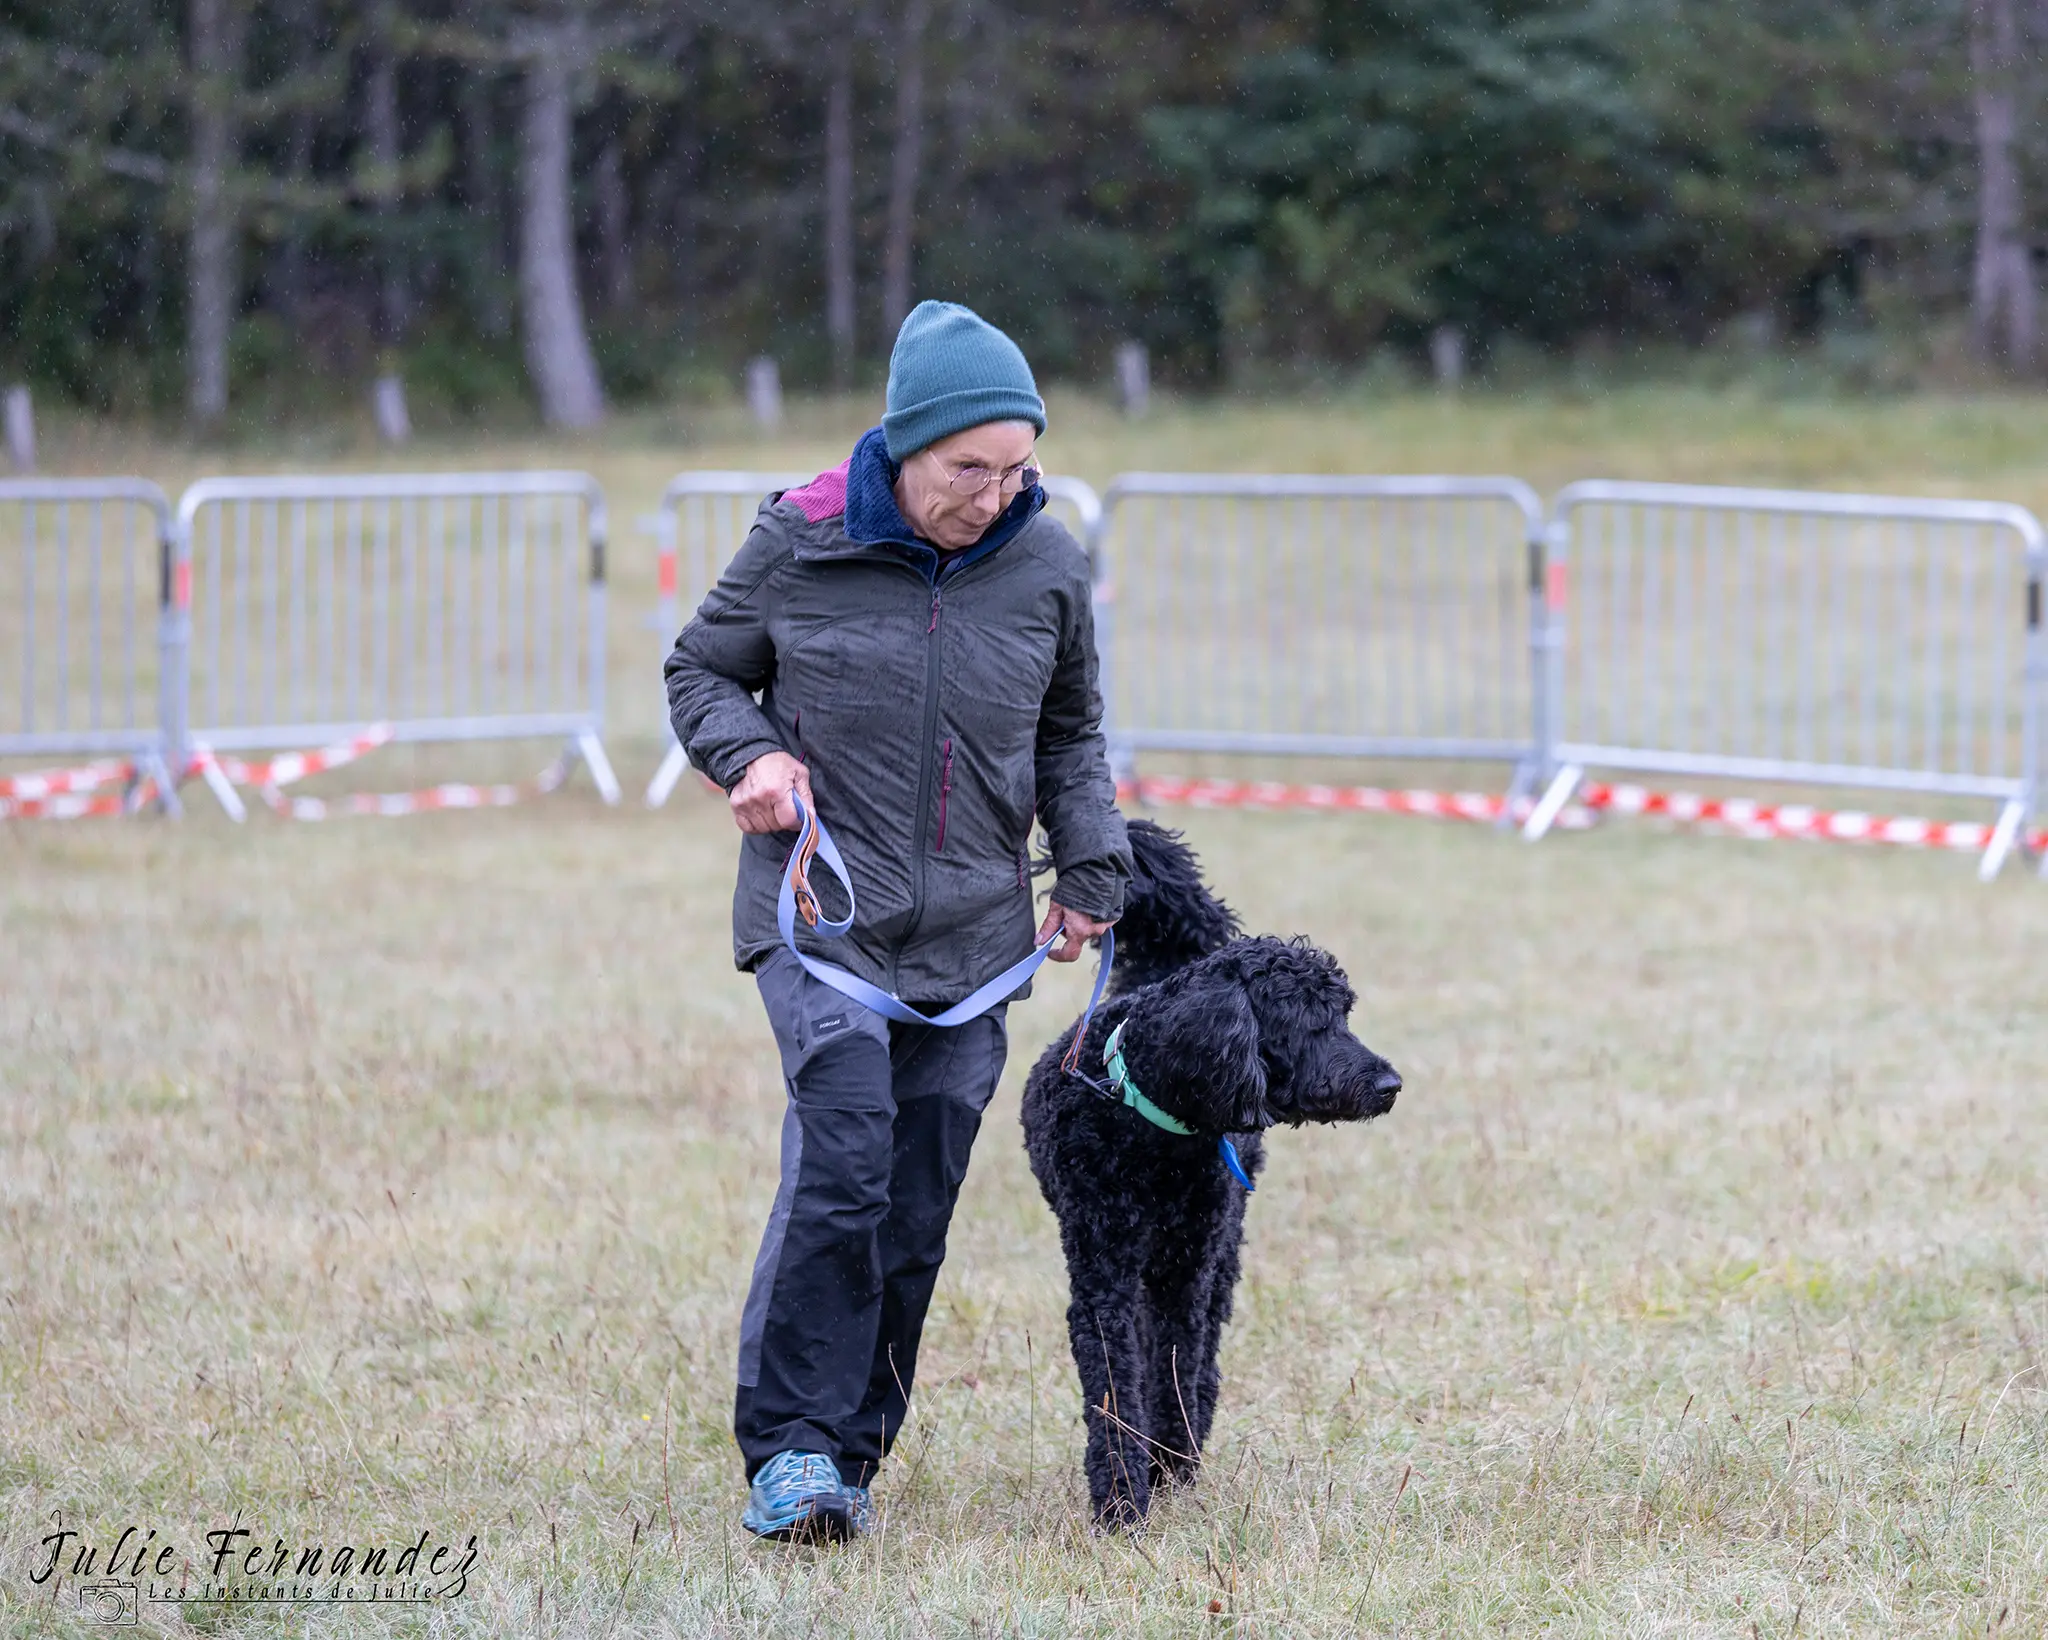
(815, 842)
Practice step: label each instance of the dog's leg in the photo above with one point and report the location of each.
(1104, 1333)
(1177, 1349)
(1222, 1293)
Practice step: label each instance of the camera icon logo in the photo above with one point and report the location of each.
(110, 1603)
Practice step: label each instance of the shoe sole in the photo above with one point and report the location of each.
(819, 1524)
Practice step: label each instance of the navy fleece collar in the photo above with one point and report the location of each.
(874, 520)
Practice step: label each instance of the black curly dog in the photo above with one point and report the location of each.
(1229, 1035)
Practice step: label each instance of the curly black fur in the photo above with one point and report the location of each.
(1230, 1035)
(1170, 915)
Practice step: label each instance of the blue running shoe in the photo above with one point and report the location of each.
(798, 1497)
(861, 1509)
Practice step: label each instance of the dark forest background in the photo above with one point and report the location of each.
(574, 204)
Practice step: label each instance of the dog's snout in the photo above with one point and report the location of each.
(1386, 1082)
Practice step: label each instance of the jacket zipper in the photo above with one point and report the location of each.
(929, 741)
(945, 787)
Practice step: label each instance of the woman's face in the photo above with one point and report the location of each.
(937, 509)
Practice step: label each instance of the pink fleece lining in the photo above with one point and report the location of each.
(824, 497)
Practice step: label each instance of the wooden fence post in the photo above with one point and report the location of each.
(764, 393)
(1133, 378)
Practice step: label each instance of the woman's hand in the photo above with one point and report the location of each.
(761, 801)
(1079, 927)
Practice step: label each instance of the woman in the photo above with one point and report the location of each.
(919, 637)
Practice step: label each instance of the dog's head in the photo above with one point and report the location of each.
(1254, 1035)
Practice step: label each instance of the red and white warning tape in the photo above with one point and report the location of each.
(75, 805)
(61, 782)
(70, 794)
(452, 796)
(287, 767)
(224, 773)
(1742, 815)
(74, 794)
(1274, 794)
(271, 778)
(1750, 818)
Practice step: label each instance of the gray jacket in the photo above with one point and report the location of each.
(935, 708)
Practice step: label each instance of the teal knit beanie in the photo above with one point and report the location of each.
(952, 369)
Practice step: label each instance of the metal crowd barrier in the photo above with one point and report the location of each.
(92, 604)
(1890, 643)
(1884, 642)
(453, 606)
(702, 521)
(1077, 505)
(1325, 616)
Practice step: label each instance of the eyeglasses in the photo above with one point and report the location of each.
(973, 480)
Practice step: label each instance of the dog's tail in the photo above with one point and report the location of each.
(1171, 916)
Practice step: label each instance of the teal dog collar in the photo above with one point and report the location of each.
(1125, 1089)
(1121, 1085)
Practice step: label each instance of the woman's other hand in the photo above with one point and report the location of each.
(761, 802)
(1078, 927)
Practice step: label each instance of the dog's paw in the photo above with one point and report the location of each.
(1118, 1515)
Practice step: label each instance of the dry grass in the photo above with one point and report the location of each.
(374, 1178)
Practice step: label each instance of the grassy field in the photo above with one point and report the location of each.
(372, 1179)
(1927, 444)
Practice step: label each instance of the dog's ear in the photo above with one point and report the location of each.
(1194, 1052)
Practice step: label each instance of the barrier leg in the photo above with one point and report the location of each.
(673, 764)
(2003, 836)
(591, 750)
(152, 768)
(1519, 788)
(1544, 815)
(222, 788)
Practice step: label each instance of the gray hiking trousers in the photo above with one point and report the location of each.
(875, 1141)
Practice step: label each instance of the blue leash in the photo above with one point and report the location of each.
(814, 842)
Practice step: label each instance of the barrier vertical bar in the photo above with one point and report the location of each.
(28, 630)
(667, 591)
(2034, 705)
(174, 651)
(1557, 780)
(128, 613)
(592, 749)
